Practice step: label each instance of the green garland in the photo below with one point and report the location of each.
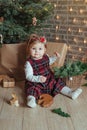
(60, 112)
(85, 85)
(70, 69)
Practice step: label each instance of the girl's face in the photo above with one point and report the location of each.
(37, 50)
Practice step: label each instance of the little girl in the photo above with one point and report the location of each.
(39, 77)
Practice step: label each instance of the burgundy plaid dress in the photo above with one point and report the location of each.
(52, 86)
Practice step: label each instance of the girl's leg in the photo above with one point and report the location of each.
(31, 101)
(71, 93)
(32, 96)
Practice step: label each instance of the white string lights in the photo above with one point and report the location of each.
(55, 5)
(77, 24)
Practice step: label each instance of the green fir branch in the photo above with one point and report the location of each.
(70, 69)
(85, 85)
(60, 112)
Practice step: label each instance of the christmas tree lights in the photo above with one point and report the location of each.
(71, 16)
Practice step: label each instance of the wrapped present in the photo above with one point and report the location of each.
(61, 48)
(12, 61)
(13, 57)
(2, 76)
(7, 83)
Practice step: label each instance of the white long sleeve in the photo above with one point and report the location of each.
(29, 70)
(29, 73)
(52, 59)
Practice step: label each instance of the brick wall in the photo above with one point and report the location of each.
(68, 24)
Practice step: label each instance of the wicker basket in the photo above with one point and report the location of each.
(75, 82)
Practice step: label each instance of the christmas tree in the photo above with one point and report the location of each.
(19, 18)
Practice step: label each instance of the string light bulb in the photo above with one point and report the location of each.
(58, 17)
(80, 49)
(55, 5)
(57, 27)
(75, 40)
(74, 20)
(69, 29)
(71, 9)
(81, 11)
(85, 41)
(80, 30)
(57, 38)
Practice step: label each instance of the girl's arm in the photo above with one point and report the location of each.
(52, 59)
(29, 74)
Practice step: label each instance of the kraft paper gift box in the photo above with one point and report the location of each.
(7, 83)
(61, 48)
(13, 57)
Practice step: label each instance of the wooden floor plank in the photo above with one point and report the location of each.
(35, 119)
(24, 118)
(78, 110)
(56, 121)
(10, 124)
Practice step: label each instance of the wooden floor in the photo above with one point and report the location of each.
(24, 118)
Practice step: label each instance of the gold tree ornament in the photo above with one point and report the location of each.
(34, 21)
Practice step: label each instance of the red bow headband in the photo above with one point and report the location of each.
(34, 38)
(41, 39)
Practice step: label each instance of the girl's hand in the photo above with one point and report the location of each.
(42, 79)
(57, 54)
